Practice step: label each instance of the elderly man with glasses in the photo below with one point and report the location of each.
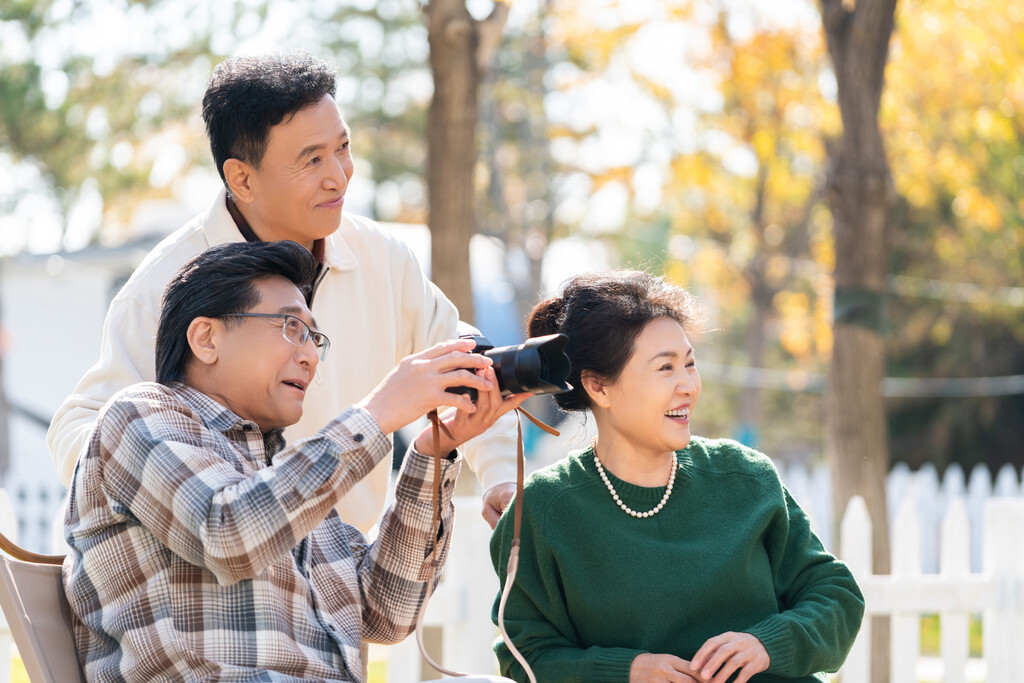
(203, 548)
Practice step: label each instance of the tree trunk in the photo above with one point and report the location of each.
(860, 196)
(460, 49)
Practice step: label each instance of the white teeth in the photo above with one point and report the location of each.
(677, 413)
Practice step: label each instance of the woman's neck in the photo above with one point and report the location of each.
(638, 466)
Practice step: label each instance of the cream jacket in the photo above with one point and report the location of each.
(375, 304)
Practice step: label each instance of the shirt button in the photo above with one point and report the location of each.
(246, 428)
(357, 437)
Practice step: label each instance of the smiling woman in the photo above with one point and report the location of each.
(713, 570)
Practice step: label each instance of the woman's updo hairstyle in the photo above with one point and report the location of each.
(603, 313)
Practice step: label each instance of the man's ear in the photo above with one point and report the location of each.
(238, 176)
(595, 388)
(204, 335)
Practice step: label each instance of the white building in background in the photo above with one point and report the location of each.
(51, 315)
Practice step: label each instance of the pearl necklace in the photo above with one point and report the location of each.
(615, 496)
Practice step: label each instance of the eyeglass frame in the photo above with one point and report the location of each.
(310, 332)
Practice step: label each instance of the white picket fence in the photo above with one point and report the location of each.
(957, 550)
(955, 592)
(930, 494)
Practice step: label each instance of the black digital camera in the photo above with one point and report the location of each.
(538, 365)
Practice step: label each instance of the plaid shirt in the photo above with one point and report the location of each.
(205, 550)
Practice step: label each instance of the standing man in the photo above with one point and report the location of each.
(202, 547)
(283, 151)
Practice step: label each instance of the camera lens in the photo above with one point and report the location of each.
(538, 366)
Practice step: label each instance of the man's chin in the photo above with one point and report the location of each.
(325, 217)
(286, 419)
(293, 419)
(324, 229)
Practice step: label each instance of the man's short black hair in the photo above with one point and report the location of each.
(219, 281)
(247, 96)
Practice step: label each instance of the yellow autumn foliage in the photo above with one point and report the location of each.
(747, 185)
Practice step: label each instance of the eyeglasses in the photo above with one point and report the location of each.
(294, 330)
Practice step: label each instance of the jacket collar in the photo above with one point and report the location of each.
(337, 252)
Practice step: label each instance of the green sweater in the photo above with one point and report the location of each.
(730, 551)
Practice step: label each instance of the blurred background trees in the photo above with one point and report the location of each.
(688, 137)
(955, 133)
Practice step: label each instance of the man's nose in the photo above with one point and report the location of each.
(308, 354)
(336, 177)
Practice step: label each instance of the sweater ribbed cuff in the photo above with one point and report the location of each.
(611, 664)
(775, 634)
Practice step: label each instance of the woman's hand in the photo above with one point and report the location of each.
(652, 668)
(722, 656)
(463, 425)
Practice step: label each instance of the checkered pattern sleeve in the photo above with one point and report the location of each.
(395, 568)
(193, 490)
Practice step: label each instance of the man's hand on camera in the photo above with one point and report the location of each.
(417, 384)
(496, 499)
(464, 425)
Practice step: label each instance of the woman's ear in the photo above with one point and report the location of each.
(238, 176)
(595, 388)
(203, 336)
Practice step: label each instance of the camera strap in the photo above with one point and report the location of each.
(513, 560)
